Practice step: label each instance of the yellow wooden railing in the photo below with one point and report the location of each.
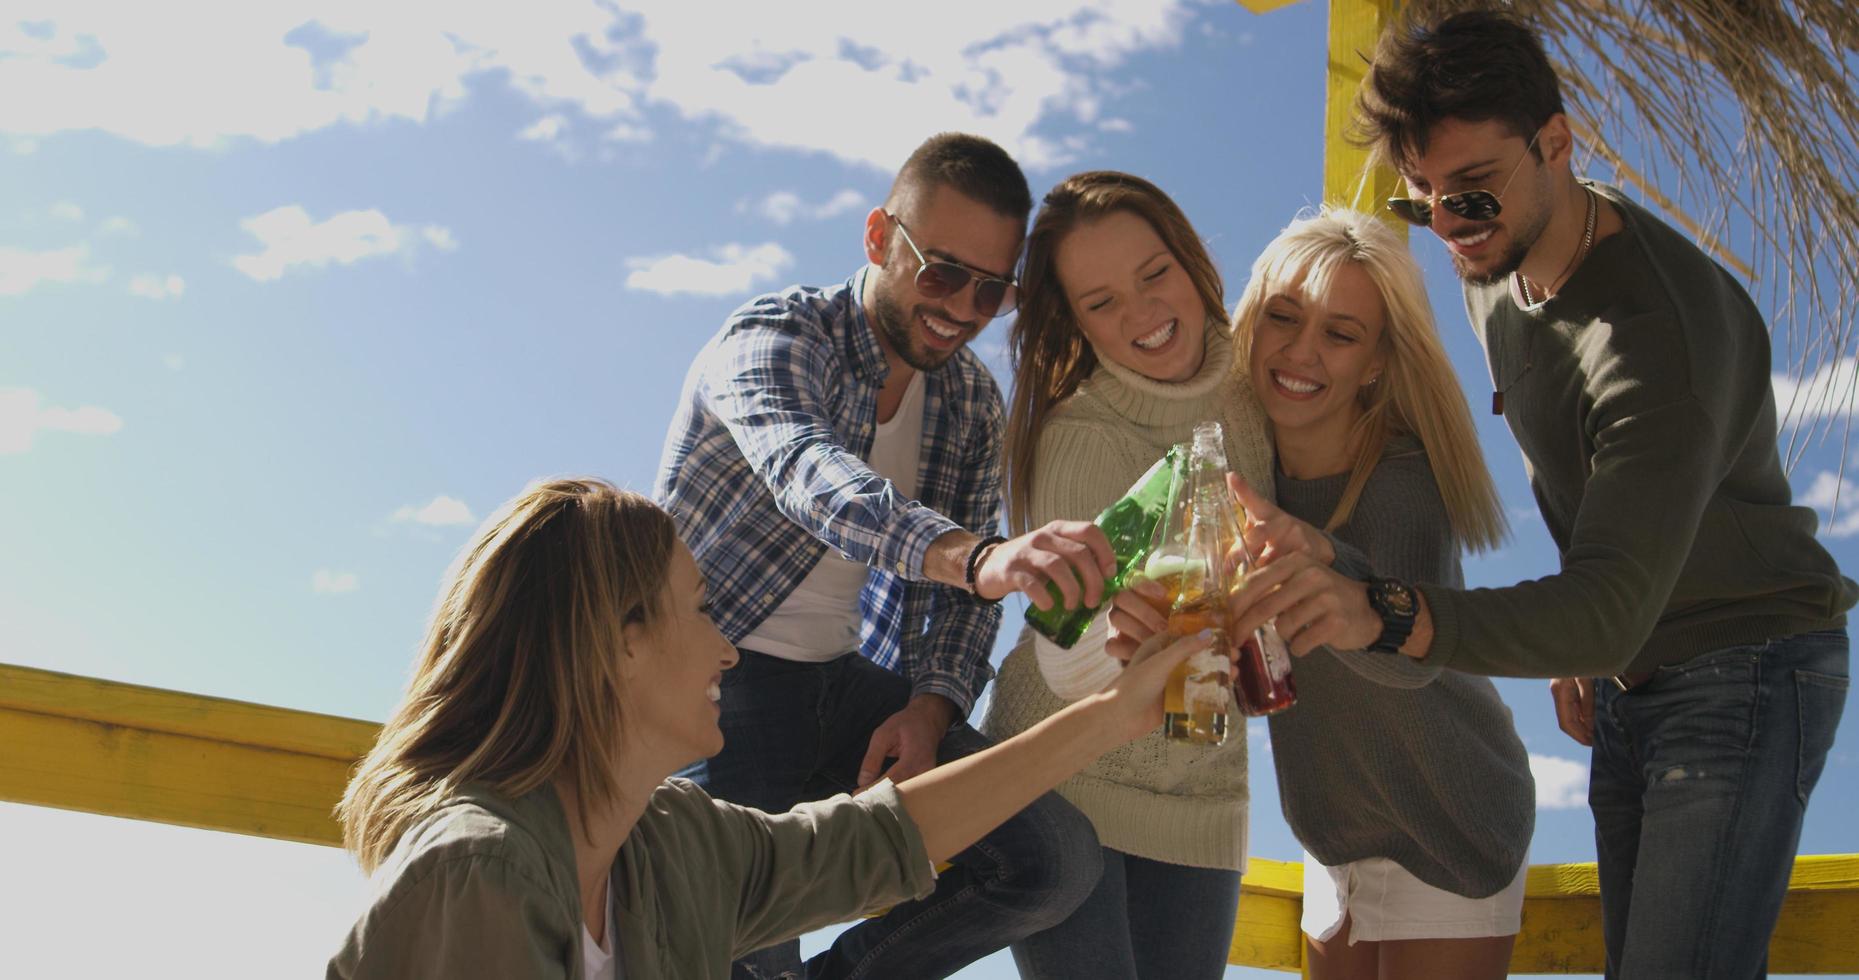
(118, 749)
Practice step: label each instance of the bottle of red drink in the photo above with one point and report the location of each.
(1264, 686)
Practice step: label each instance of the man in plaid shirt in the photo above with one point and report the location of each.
(834, 464)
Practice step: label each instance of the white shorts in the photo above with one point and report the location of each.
(1384, 901)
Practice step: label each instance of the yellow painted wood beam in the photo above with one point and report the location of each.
(1348, 178)
(148, 754)
(140, 752)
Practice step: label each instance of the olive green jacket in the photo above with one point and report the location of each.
(484, 886)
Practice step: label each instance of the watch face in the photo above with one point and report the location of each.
(1397, 598)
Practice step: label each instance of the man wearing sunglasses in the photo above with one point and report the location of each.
(834, 465)
(1696, 625)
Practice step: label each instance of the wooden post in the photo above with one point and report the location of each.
(1348, 180)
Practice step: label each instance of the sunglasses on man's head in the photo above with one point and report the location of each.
(937, 279)
(1470, 205)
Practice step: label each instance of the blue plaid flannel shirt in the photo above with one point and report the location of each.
(764, 469)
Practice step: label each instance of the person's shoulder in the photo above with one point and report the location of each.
(794, 313)
(1401, 483)
(465, 839)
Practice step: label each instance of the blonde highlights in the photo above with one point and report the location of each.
(1417, 393)
(517, 680)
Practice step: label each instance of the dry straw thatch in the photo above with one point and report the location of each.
(1740, 119)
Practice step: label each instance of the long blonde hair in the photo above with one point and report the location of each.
(1417, 394)
(517, 680)
(1050, 355)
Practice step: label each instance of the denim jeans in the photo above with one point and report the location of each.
(1700, 781)
(1147, 919)
(794, 732)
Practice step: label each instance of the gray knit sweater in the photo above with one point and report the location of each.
(1383, 757)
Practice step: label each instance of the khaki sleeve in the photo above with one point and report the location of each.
(785, 874)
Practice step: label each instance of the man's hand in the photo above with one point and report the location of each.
(1271, 534)
(1574, 698)
(910, 736)
(1314, 605)
(1134, 617)
(1073, 556)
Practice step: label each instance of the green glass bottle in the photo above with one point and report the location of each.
(1129, 524)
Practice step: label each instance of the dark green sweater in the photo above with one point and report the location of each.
(1641, 397)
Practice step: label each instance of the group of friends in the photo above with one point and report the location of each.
(799, 620)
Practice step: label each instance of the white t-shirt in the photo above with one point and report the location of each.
(597, 963)
(819, 621)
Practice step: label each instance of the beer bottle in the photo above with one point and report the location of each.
(1188, 559)
(1129, 523)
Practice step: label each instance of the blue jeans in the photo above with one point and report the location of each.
(1700, 781)
(1146, 919)
(794, 732)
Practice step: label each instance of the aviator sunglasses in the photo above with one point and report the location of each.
(938, 279)
(1470, 205)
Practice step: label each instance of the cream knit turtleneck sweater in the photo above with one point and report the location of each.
(1153, 798)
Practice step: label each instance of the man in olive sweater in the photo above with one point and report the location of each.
(1697, 628)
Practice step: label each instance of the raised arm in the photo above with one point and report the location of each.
(953, 805)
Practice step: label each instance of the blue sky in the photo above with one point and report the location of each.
(291, 297)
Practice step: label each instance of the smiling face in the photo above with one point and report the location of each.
(1463, 156)
(673, 672)
(949, 226)
(1131, 297)
(1312, 356)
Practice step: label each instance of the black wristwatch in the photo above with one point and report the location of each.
(1395, 603)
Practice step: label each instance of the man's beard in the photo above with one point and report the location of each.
(894, 325)
(1521, 242)
(1510, 262)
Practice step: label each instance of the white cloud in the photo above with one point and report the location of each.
(1116, 125)
(66, 211)
(22, 270)
(1828, 392)
(1827, 491)
(1561, 784)
(23, 414)
(627, 133)
(783, 207)
(440, 511)
(439, 238)
(150, 286)
(545, 130)
(735, 269)
(117, 225)
(291, 238)
(327, 582)
(149, 73)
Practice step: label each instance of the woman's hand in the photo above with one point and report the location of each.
(1135, 697)
(1134, 617)
(1271, 534)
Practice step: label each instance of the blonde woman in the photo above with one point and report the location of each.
(515, 811)
(1120, 347)
(1407, 785)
